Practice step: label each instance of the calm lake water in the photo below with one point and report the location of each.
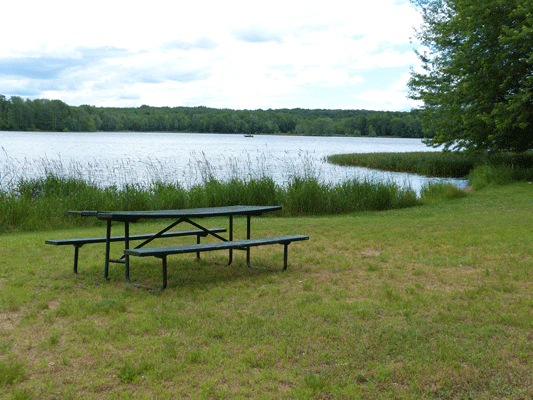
(123, 158)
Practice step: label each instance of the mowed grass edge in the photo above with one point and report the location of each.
(433, 301)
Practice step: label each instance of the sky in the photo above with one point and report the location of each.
(329, 54)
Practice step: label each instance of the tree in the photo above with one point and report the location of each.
(17, 118)
(477, 83)
(3, 112)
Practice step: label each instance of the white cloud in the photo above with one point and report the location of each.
(388, 58)
(236, 54)
(393, 98)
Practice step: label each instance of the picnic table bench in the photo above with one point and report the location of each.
(79, 242)
(163, 252)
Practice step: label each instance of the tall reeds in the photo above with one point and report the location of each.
(486, 175)
(481, 169)
(43, 202)
(453, 165)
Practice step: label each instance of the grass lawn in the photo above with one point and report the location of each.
(434, 301)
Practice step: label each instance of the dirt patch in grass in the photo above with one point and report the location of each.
(10, 320)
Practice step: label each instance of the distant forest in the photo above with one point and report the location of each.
(17, 114)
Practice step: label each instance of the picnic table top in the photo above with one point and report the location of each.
(183, 213)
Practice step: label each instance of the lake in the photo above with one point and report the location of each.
(119, 158)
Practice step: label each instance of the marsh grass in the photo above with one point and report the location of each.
(440, 190)
(426, 302)
(39, 203)
(440, 164)
(486, 175)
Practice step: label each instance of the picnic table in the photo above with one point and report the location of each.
(187, 216)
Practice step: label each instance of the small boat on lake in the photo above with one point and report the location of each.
(248, 135)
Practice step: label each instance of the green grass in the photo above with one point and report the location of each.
(429, 302)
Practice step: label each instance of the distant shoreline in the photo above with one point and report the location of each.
(45, 115)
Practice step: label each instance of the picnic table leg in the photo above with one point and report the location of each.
(248, 236)
(198, 242)
(230, 229)
(230, 239)
(127, 262)
(107, 249)
(76, 253)
(285, 257)
(127, 246)
(164, 260)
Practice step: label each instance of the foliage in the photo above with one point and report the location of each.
(46, 115)
(477, 83)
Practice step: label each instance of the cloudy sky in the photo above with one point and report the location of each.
(348, 54)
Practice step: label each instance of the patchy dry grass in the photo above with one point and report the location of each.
(427, 302)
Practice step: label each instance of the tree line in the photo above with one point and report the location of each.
(17, 114)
